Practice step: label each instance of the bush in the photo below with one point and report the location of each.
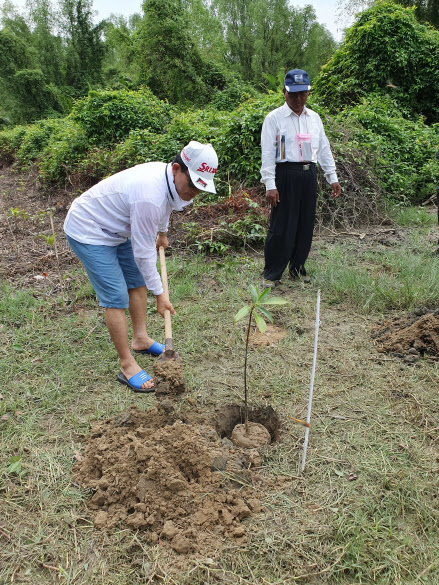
(386, 50)
(405, 165)
(36, 138)
(10, 141)
(239, 144)
(68, 143)
(109, 116)
(232, 96)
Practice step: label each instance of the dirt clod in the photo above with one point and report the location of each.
(168, 378)
(255, 436)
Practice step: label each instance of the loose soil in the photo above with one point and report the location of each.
(174, 480)
(411, 335)
(168, 377)
(272, 335)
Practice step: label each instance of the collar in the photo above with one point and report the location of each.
(287, 111)
(174, 199)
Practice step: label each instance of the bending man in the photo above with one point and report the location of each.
(115, 229)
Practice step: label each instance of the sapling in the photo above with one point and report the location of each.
(51, 241)
(259, 312)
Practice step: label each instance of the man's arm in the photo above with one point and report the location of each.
(145, 218)
(326, 161)
(268, 152)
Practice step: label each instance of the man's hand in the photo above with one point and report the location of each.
(164, 303)
(336, 190)
(272, 197)
(161, 240)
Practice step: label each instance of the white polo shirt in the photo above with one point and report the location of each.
(284, 122)
(135, 203)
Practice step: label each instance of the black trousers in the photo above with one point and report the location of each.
(291, 226)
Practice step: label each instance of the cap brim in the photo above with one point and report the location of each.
(296, 88)
(202, 184)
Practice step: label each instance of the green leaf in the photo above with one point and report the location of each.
(261, 324)
(241, 313)
(15, 467)
(264, 294)
(254, 294)
(266, 314)
(274, 301)
(18, 348)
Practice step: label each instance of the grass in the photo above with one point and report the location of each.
(412, 216)
(366, 510)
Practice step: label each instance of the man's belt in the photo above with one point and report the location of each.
(304, 166)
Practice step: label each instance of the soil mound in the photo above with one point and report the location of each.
(173, 480)
(412, 335)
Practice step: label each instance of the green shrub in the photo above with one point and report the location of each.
(239, 144)
(109, 116)
(406, 165)
(232, 96)
(36, 138)
(68, 143)
(386, 50)
(144, 145)
(10, 141)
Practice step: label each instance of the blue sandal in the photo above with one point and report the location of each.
(136, 381)
(156, 349)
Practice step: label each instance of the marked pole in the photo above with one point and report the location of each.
(311, 389)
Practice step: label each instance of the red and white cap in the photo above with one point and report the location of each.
(202, 163)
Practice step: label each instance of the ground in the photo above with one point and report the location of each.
(102, 486)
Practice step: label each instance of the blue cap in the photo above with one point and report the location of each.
(297, 80)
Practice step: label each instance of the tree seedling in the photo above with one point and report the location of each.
(257, 310)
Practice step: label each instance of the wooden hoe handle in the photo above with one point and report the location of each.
(168, 327)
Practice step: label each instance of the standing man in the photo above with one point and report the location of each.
(292, 141)
(115, 229)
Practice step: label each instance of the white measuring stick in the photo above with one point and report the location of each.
(313, 371)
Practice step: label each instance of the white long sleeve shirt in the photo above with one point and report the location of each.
(284, 122)
(135, 203)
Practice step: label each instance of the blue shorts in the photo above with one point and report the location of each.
(112, 271)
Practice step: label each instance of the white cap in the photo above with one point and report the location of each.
(202, 163)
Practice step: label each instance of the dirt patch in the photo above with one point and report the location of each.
(168, 378)
(410, 336)
(272, 335)
(176, 481)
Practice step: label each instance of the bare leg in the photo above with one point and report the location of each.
(137, 309)
(118, 328)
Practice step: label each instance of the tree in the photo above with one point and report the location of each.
(265, 37)
(386, 50)
(425, 10)
(120, 66)
(85, 47)
(169, 60)
(49, 48)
